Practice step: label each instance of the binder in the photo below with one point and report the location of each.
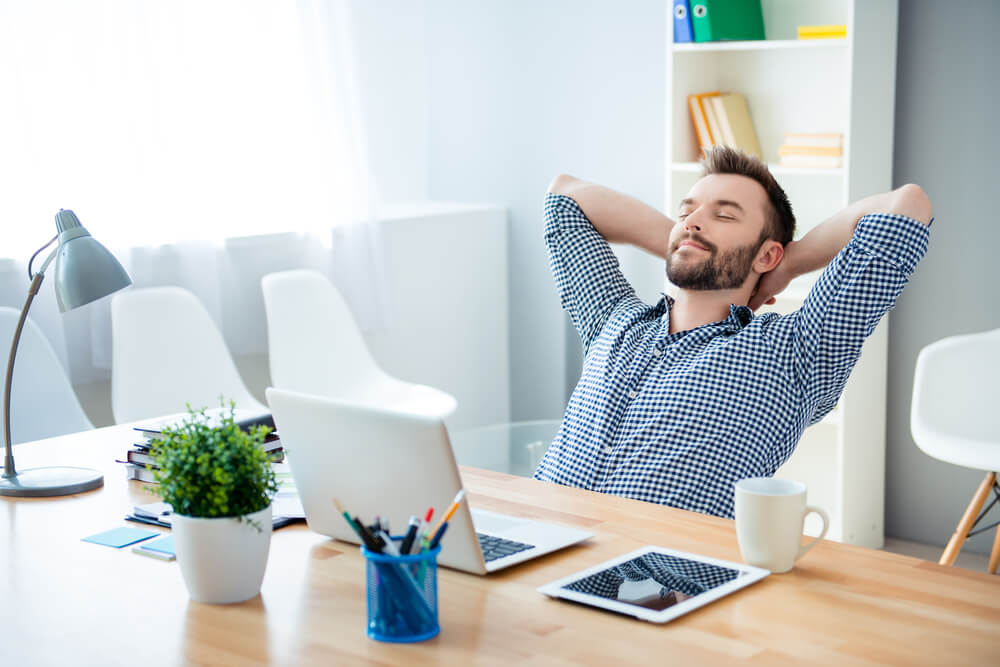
(726, 20)
(700, 122)
(682, 22)
(710, 116)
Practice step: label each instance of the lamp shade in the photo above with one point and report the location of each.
(85, 269)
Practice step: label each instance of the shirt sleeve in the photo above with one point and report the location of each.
(858, 287)
(586, 271)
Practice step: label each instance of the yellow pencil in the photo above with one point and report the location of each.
(451, 511)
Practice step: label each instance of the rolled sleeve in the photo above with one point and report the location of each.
(586, 270)
(845, 305)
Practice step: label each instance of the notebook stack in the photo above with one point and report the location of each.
(818, 150)
(139, 462)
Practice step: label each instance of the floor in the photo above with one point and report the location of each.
(966, 560)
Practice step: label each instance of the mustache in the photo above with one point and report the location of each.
(697, 238)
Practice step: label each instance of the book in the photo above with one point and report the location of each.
(244, 419)
(735, 123)
(714, 129)
(702, 132)
(822, 31)
(787, 149)
(726, 20)
(815, 161)
(818, 139)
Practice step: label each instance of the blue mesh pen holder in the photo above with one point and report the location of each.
(402, 595)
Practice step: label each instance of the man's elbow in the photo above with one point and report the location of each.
(911, 201)
(562, 184)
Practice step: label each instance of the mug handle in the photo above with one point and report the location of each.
(826, 524)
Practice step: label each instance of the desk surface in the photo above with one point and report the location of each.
(64, 601)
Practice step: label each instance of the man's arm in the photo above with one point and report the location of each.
(821, 245)
(618, 217)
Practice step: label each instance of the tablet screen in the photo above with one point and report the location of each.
(654, 580)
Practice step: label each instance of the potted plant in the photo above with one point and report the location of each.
(219, 483)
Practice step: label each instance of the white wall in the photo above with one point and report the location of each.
(520, 91)
(947, 141)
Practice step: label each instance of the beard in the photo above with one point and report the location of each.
(726, 270)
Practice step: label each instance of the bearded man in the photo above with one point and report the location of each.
(679, 400)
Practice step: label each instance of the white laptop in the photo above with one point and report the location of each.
(394, 465)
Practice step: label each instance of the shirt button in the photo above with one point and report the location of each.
(657, 351)
(633, 394)
(608, 450)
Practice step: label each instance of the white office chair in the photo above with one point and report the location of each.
(955, 417)
(316, 347)
(167, 352)
(42, 401)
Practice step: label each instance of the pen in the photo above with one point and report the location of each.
(438, 536)
(411, 533)
(451, 511)
(390, 547)
(372, 542)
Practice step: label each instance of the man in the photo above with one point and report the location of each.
(680, 400)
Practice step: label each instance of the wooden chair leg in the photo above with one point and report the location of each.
(995, 554)
(969, 518)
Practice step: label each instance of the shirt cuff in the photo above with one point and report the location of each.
(897, 239)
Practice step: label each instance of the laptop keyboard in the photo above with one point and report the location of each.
(497, 547)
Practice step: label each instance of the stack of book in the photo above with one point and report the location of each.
(724, 119)
(139, 463)
(812, 150)
(822, 31)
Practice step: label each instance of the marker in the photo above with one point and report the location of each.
(451, 511)
(411, 533)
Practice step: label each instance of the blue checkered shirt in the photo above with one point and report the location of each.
(678, 419)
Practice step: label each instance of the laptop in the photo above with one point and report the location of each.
(394, 465)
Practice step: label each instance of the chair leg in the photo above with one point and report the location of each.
(995, 554)
(968, 519)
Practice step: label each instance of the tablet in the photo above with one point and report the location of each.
(654, 583)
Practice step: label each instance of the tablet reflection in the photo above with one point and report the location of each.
(654, 581)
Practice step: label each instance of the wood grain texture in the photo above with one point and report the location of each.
(67, 601)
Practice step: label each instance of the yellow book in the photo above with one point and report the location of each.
(822, 31)
(789, 149)
(736, 124)
(700, 122)
(713, 121)
(825, 139)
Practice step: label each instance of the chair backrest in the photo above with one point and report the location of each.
(167, 352)
(314, 343)
(42, 401)
(955, 387)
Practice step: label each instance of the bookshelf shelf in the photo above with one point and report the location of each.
(845, 86)
(778, 171)
(760, 45)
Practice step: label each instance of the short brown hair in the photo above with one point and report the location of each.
(779, 221)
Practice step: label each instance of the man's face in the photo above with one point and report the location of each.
(718, 234)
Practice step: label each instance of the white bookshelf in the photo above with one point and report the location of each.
(842, 85)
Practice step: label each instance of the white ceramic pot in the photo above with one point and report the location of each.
(222, 560)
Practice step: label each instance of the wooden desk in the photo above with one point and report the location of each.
(70, 602)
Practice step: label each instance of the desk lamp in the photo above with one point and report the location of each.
(85, 272)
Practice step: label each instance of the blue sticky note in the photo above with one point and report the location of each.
(121, 537)
(165, 545)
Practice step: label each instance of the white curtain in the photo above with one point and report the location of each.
(205, 142)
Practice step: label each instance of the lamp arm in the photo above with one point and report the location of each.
(8, 462)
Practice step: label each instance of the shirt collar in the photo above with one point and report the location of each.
(739, 316)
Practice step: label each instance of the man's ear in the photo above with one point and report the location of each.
(769, 256)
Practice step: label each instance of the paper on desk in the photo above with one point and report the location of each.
(286, 502)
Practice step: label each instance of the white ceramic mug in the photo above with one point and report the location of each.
(770, 514)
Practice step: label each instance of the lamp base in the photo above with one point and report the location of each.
(51, 481)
